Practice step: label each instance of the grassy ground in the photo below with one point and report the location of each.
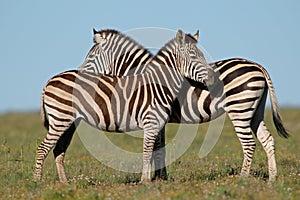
(213, 177)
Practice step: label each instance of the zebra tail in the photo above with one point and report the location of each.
(275, 108)
(44, 112)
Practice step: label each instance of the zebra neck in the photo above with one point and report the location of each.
(166, 73)
(127, 57)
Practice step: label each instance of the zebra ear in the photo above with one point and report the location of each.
(97, 37)
(196, 35)
(94, 31)
(180, 37)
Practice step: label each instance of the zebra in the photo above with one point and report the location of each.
(118, 103)
(243, 97)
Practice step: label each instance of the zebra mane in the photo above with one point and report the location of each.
(167, 45)
(107, 33)
(99, 35)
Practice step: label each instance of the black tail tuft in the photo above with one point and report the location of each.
(279, 126)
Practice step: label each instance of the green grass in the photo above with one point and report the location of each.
(213, 177)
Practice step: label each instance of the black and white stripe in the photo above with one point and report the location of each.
(118, 103)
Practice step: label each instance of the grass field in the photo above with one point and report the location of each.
(213, 177)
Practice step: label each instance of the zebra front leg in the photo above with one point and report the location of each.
(159, 155)
(148, 146)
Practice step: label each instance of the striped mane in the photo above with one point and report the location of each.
(113, 53)
(108, 33)
(103, 34)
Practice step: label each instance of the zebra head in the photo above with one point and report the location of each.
(115, 54)
(98, 59)
(190, 60)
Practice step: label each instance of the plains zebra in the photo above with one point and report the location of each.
(243, 98)
(144, 100)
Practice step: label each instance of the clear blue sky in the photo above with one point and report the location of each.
(42, 38)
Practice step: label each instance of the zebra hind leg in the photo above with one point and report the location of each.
(264, 137)
(43, 150)
(248, 145)
(60, 150)
(267, 141)
(247, 141)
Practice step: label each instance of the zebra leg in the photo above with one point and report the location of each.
(60, 150)
(52, 138)
(267, 141)
(247, 141)
(264, 137)
(42, 152)
(159, 155)
(150, 136)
